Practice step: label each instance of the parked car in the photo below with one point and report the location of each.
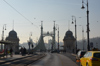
(91, 58)
(80, 54)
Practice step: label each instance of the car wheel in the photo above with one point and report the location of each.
(87, 64)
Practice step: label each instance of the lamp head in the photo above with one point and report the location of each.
(82, 7)
(72, 22)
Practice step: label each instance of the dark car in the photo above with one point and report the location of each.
(80, 54)
(55, 51)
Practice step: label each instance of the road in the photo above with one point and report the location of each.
(24, 61)
(54, 59)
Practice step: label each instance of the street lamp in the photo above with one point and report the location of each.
(88, 47)
(75, 31)
(4, 28)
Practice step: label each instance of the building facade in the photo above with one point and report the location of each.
(69, 42)
(13, 38)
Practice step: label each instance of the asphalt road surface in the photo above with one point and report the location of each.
(54, 59)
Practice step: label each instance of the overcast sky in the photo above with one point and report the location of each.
(25, 12)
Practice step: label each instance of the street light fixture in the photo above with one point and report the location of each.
(82, 5)
(75, 31)
(88, 46)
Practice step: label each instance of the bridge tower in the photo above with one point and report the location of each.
(40, 45)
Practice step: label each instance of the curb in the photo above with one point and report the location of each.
(24, 57)
(74, 54)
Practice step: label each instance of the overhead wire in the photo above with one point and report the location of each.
(19, 12)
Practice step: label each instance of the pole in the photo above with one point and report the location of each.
(83, 36)
(88, 27)
(58, 38)
(4, 27)
(54, 29)
(2, 38)
(75, 31)
(88, 46)
(76, 35)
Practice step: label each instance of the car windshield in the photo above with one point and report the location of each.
(97, 55)
(83, 53)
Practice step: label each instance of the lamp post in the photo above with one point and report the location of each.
(75, 31)
(57, 26)
(58, 37)
(4, 28)
(88, 46)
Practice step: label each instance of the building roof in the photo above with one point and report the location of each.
(69, 35)
(13, 34)
(69, 32)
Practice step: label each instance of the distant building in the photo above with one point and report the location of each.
(13, 38)
(69, 42)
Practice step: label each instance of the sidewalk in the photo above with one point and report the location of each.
(71, 56)
(3, 60)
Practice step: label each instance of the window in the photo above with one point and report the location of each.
(97, 55)
(89, 54)
(86, 55)
(82, 53)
